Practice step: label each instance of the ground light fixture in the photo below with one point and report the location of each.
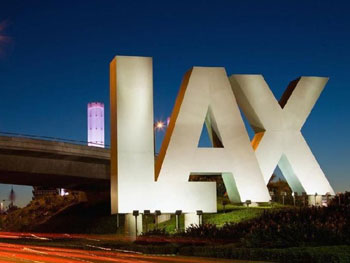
(315, 199)
(224, 203)
(157, 213)
(177, 218)
(200, 217)
(135, 213)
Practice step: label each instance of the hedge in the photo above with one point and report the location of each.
(329, 254)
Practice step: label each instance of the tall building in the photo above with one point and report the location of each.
(96, 124)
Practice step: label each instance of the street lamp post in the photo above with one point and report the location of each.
(200, 217)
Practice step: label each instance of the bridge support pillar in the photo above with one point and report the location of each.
(133, 225)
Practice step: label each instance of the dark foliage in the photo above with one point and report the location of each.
(156, 232)
(308, 226)
(333, 254)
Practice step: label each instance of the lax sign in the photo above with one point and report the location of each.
(207, 95)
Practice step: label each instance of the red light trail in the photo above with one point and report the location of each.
(47, 254)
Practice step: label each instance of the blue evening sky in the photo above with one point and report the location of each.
(58, 60)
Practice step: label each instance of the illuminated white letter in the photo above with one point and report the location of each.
(132, 155)
(278, 139)
(206, 94)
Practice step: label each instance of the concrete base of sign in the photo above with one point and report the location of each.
(131, 229)
(254, 204)
(163, 218)
(192, 219)
(315, 200)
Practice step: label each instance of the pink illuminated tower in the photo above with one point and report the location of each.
(96, 124)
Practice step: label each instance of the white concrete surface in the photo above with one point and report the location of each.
(277, 125)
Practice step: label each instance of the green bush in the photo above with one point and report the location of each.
(154, 249)
(290, 227)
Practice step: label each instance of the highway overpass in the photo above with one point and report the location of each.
(37, 162)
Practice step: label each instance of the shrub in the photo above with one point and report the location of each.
(156, 232)
(283, 228)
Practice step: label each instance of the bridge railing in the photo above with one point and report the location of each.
(48, 138)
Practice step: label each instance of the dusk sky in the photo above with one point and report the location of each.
(57, 60)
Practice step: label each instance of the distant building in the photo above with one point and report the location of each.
(96, 124)
(12, 197)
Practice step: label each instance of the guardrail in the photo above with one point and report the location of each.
(47, 138)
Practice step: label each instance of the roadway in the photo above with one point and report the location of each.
(23, 252)
(37, 254)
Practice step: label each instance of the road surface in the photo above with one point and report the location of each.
(19, 251)
(38, 254)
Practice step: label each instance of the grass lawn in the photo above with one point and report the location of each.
(229, 213)
(235, 215)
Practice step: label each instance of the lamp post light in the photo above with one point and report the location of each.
(177, 219)
(159, 125)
